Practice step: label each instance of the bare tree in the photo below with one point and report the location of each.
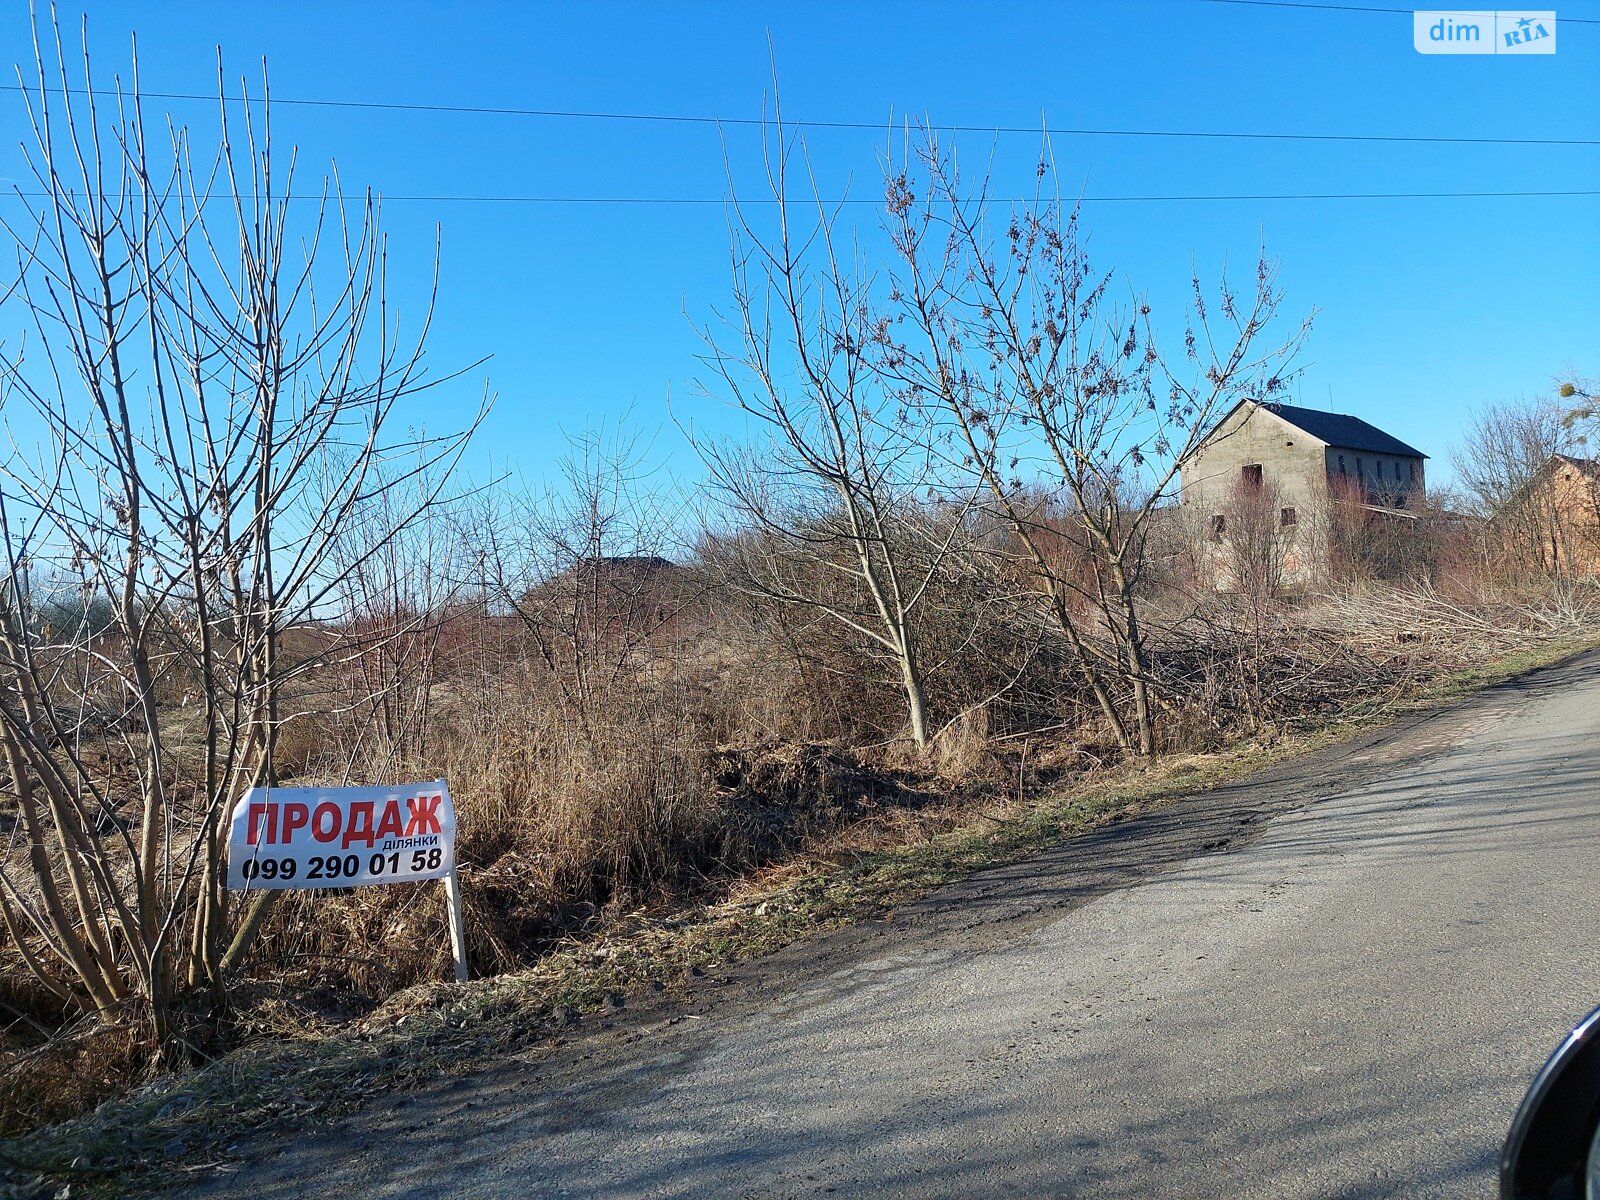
(1575, 388)
(1254, 537)
(1505, 445)
(399, 579)
(213, 381)
(1043, 377)
(834, 496)
(1506, 450)
(584, 569)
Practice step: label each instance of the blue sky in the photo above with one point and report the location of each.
(1428, 308)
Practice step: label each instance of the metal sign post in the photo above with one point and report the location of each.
(292, 838)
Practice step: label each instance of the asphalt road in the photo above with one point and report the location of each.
(1333, 981)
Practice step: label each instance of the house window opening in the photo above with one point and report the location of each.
(1219, 526)
(1251, 475)
(1288, 518)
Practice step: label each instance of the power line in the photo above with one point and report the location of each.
(1366, 8)
(874, 126)
(700, 201)
(1154, 199)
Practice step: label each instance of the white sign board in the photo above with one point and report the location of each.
(341, 837)
(284, 838)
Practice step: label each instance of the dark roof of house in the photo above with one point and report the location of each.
(1345, 432)
(630, 562)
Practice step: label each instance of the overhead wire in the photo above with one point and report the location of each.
(1040, 130)
(706, 201)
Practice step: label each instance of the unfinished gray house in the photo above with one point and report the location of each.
(1258, 489)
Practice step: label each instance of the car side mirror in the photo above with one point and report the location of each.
(1553, 1149)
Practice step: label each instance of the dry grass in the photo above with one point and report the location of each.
(569, 817)
(68, 1073)
(579, 816)
(871, 865)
